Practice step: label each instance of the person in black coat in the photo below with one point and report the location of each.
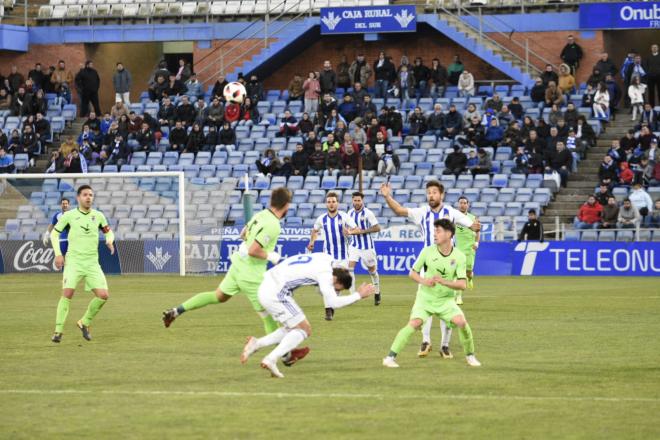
(561, 162)
(227, 136)
(178, 137)
(195, 139)
(456, 162)
(533, 229)
(538, 92)
(571, 54)
(118, 152)
(88, 82)
(299, 161)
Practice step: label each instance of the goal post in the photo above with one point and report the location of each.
(155, 216)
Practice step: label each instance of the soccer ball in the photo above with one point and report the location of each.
(234, 92)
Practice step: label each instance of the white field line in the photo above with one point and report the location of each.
(502, 397)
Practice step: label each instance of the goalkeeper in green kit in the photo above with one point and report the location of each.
(82, 260)
(467, 241)
(444, 272)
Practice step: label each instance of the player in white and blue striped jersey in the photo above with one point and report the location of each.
(424, 216)
(337, 227)
(362, 247)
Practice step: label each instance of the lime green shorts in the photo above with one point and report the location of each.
(469, 258)
(75, 272)
(235, 283)
(445, 311)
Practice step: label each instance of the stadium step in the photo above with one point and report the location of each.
(11, 200)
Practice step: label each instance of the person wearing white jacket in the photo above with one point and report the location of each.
(641, 200)
(466, 84)
(636, 92)
(601, 101)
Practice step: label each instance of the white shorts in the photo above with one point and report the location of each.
(340, 264)
(368, 256)
(281, 307)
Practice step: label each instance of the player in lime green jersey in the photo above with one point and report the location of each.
(444, 272)
(467, 241)
(82, 260)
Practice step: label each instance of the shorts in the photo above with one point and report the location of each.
(64, 246)
(340, 264)
(234, 283)
(368, 256)
(445, 311)
(92, 273)
(469, 258)
(283, 308)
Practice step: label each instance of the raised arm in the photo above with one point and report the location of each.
(386, 191)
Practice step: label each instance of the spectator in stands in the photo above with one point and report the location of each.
(219, 87)
(607, 172)
(358, 94)
(194, 87)
(505, 117)
(369, 161)
(629, 217)
(358, 134)
(178, 137)
(328, 104)
(601, 102)
(466, 84)
(646, 137)
(117, 153)
(145, 139)
(331, 142)
(14, 145)
(158, 89)
(42, 128)
(76, 163)
(62, 80)
(417, 123)
(571, 115)
(454, 70)
(474, 133)
(37, 75)
(650, 117)
(589, 215)
(641, 200)
(555, 114)
(373, 129)
(341, 130)
(299, 161)
(552, 141)
(166, 113)
(532, 230)
(5, 100)
(384, 74)
(633, 69)
(367, 108)
(494, 103)
(201, 110)
(359, 72)
(561, 162)
(333, 161)
(585, 133)
(605, 66)
(405, 83)
(211, 139)
(309, 141)
(435, 122)
(39, 103)
(387, 160)
(296, 91)
(195, 141)
(470, 112)
(394, 122)
(21, 103)
(571, 54)
(305, 125)
(185, 112)
(455, 162)
(174, 87)
(573, 145)
(538, 92)
(347, 109)
(516, 108)
(118, 109)
(626, 175)
(4, 140)
(350, 161)
(610, 214)
(521, 159)
(331, 122)
(134, 124)
(616, 153)
(652, 68)
(269, 164)
(654, 218)
(484, 164)
(316, 161)
(643, 171)
(438, 76)
(549, 75)
(652, 153)
(214, 116)
(615, 94)
(312, 92)
(6, 162)
(553, 95)
(15, 79)
(513, 135)
(628, 142)
(89, 82)
(494, 134)
(122, 81)
(453, 123)
(422, 76)
(343, 77)
(184, 71)
(328, 79)
(566, 81)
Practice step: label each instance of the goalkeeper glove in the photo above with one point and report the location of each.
(46, 238)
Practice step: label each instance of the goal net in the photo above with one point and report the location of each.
(163, 221)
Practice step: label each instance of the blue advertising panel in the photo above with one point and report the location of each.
(368, 19)
(161, 256)
(631, 15)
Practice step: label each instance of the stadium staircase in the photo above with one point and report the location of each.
(11, 200)
(583, 183)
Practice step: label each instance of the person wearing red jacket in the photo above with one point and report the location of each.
(626, 175)
(589, 215)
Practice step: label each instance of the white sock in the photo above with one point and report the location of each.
(375, 280)
(290, 341)
(352, 272)
(271, 338)
(426, 330)
(446, 333)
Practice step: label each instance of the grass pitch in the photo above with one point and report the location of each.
(562, 358)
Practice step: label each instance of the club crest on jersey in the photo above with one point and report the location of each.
(93, 218)
(452, 262)
(445, 213)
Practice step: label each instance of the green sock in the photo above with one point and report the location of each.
(270, 325)
(95, 306)
(62, 312)
(200, 300)
(465, 335)
(401, 339)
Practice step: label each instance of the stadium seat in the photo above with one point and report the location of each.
(345, 182)
(589, 235)
(623, 235)
(463, 181)
(500, 180)
(489, 195)
(329, 183)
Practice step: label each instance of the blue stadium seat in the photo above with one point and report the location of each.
(481, 181)
(329, 183)
(203, 158)
(406, 169)
(261, 182)
(624, 236)
(396, 182)
(503, 153)
(506, 195)
(316, 196)
(464, 181)
(495, 209)
(451, 195)
(170, 158)
(589, 235)
(185, 159)
(517, 181)
(489, 195)
(424, 169)
(534, 181)
(418, 155)
(500, 180)
(413, 182)
(479, 208)
(448, 181)
(345, 182)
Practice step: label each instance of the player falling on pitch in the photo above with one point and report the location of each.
(362, 247)
(467, 241)
(424, 217)
(82, 260)
(443, 269)
(276, 295)
(248, 266)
